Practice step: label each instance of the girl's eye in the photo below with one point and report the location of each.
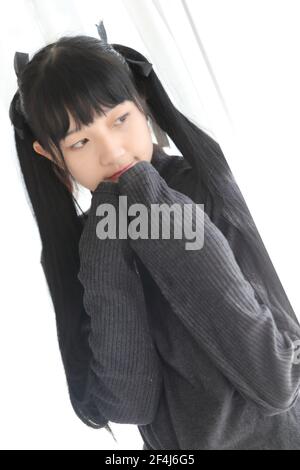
(122, 119)
(77, 148)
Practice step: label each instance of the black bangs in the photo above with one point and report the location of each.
(65, 86)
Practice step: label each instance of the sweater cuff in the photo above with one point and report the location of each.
(136, 181)
(106, 187)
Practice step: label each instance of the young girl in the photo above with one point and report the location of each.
(197, 347)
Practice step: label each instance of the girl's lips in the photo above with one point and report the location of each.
(115, 175)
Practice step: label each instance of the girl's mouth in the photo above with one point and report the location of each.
(119, 173)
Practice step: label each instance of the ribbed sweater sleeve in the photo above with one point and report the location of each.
(126, 370)
(208, 292)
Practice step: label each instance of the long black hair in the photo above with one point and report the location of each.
(77, 74)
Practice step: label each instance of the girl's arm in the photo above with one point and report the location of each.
(208, 292)
(125, 366)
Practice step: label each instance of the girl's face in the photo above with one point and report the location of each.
(94, 153)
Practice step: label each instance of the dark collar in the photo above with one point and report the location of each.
(161, 160)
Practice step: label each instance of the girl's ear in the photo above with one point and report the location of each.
(39, 149)
(61, 175)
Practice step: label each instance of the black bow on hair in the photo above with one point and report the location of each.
(20, 61)
(141, 67)
(15, 112)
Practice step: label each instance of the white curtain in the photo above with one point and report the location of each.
(232, 68)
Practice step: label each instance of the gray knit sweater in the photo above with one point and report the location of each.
(182, 345)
